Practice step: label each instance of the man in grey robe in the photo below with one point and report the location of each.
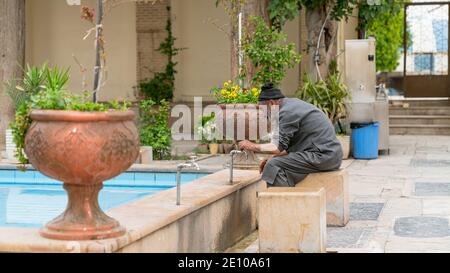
(306, 141)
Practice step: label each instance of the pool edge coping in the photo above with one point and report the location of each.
(145, 221)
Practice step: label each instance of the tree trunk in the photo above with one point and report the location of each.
(320, 58)
(12, 54)
(254, 8)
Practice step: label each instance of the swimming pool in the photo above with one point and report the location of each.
(30, 199)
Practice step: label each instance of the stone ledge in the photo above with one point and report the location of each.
(292, 220)
(337, 194)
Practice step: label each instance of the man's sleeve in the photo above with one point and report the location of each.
(288, 125)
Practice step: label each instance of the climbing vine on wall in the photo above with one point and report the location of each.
(162, 85)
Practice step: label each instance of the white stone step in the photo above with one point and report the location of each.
(419, 110)
(416, 129)
(419, 119)
(412, 102)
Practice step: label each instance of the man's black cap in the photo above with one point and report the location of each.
(270, 92)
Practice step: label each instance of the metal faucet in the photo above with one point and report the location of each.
(232, 154)
(188, 164)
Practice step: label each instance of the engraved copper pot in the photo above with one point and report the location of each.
(242, 121)
(82, 149)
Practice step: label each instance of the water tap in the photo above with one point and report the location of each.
(188, 164)
(232, 154)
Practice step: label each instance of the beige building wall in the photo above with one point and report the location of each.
(206, 60)
(347, 31)
(54, 32)
(290, 84)
(151, 21)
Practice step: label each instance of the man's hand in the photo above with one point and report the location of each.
(247, 145)
(262, 165)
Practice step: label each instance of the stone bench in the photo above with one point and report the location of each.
(337, 195)
(292, 220)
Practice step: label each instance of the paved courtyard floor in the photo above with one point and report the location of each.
(399, 202)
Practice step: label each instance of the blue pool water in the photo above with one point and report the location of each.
(30, 199)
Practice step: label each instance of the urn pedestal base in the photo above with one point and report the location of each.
(83, 218)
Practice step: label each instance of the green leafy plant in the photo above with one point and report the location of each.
(232, 92)
(20, 90)
(281, 11)
(207, 129)
(53, 96)
(368, 13)
(19, 127)
(321, 22)
(266, 48)
(330, 95)
(154, 130)
(161, 87)
(387, 28)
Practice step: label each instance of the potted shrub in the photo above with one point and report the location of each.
(330, 96)
(207, 130)
(20, 91)
(231, 98)
(213, 148)
(82, 143)
(154, 130)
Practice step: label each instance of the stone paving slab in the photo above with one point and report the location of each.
(436, 206)
(398, 207)
(421, 227)
(399, 202)
(432, 189)
(348, 237)
(365, 211)
(397, 244)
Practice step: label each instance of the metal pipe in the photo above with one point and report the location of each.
(231, 168)
(179, 185)
(189, 164)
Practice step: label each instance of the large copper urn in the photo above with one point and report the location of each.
(243, 122)
(82, 149)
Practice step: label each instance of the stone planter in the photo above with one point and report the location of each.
(146, 155)
(214, 148)
(227, 148)
(82, 149)
(233, 117)
(345, 143)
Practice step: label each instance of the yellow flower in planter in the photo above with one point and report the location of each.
(255, 92)
(231, 92)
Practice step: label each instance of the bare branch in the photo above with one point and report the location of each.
(221, 28)
(83, 71)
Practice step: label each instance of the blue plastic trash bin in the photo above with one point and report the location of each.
(365, 140)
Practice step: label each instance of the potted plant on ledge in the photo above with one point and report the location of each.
(207, 130)
(82, 143)
(236, 102)
(330, 96)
